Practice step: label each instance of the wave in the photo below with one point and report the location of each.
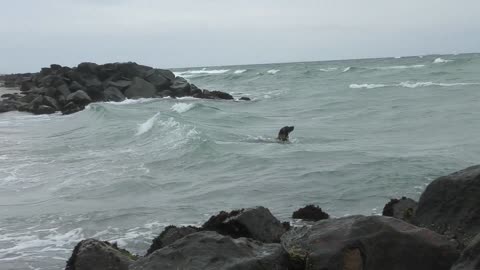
(347, 69)
(132, 101)
(441, 61)
(273, 71)
(203, 71)
(182, 107)
(147, 125)
(400, 67)
(408, 84)
(239, 71)
(329, 69)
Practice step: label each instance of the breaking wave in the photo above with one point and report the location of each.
(147, 125)
(182, 107)
(441, 61)
(407, 84)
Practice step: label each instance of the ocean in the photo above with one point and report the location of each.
(365, 131)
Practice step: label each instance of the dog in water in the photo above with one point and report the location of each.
(283, 133)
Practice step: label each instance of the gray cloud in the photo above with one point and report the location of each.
(219, 32)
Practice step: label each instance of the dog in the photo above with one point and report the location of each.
(283, 133)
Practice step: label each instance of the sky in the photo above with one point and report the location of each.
(196, 33)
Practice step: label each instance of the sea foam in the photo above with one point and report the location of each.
(182, 107)
(147, 125)
(273, 71)
(441, 61)
(240, 71)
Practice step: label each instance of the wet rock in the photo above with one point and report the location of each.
(71, 107)
(403, 209)
(75, 86)
(245, 98)
(7, 106)
(180, 87)
(91, 254)
(51, 102)
(257, 223)
(113, 94)
(212, 251)
(450, 205)
(79, 97)
(374, 243)
(470, 258)
(310, 213)
(121, 84)
(42, 109)
(170, 235)
(26, 85)
(160, 78)
(140, 89)
(63, 90)
(221, 95)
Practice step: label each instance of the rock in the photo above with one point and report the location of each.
(470, 258)
(311, 213)
(113, 94)
(79, 97)
(160, 78)
(221, 95)
(91, 254)
(42, 109)
(212, 251)
(7, 106)
(194, 90)
(71, 107)
(140, 89)
(403, 209)
(87, 68)
(28, 98)
(63, 90)
(257, 223)
(450, 205)
(75, 86)
(180, 87)
(122, 84)
(373, 243)
(52, 81)
(166, 93)
(51, 102)
(94, 88)
(26, 85)
(170, 235)
(245, 98)
(55, 67)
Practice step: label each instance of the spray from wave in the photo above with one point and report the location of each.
(273, 71)
(441, 61)
(182, 107)
(239, 71)
(147, 125)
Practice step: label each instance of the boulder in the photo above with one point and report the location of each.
(403, 209)
(79, 97)
(71, 107)
(121, 84)
(160, 78)
(63, 90)
(470, 258)
(450, 205)
(170, 235)
(51, 102)
(180, 87)
(87, 68)
(113, 94)
(26, 85)
(310, 213)
(75, 86)
(51, 81)
(257, 223)
(221, 95)
(245, 98)
(94, 88)
(140, 89)
(212, 251)
(7, 106)
(373, 243)
(42, 109)
(91, 254)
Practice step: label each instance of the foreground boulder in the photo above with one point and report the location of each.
(403, 209)
(170, 235)
(310, 213)
(470, 258)
(450, 205)
(91, 254)
(373, 243)
(212, 251)
(257, 223)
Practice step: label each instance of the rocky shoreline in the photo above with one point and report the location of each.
(69, 90)
(441, 231)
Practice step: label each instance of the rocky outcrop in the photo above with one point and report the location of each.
(169, 235)
(450, 205)
(91, 254)
(470, 258)
(310, 213)
(403, 209)
(212, 251)
(373, 242)
(257, 223)
(89, 82)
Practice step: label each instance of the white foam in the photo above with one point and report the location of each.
(147, 125)
(347, 69)
(203, 71)
(367, 86)
(441, 61)
(400, 67)
(273, 71)
(240, 71)
(182, 107)
(132, 101)
(329, 69)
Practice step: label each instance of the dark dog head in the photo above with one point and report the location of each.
(283, 133)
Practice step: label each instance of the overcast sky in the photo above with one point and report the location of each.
(186, 33)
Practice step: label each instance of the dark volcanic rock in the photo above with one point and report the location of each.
(311, 213)
(212, 251)
(113, 94)
(79, 97)
(170, 235)
(160, 78)
(75, 86)
(470, 258)
(373, 243)
(42, 109)
(451, 205)
(257, 223)
(140, 89)
(245, 98)
(122, 84)
(91, 254)
(180, 87)
(71, 107)
(221, 95)
(403, 209)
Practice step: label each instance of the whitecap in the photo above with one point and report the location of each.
(347, 69)
(147, 125)
(203, 71)
(441, 61)
(367, 86)
(425, 84)
(400, 67)
(240, 71)
(182, 107)
(273, 71)
(131, 101)
(328, 69)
